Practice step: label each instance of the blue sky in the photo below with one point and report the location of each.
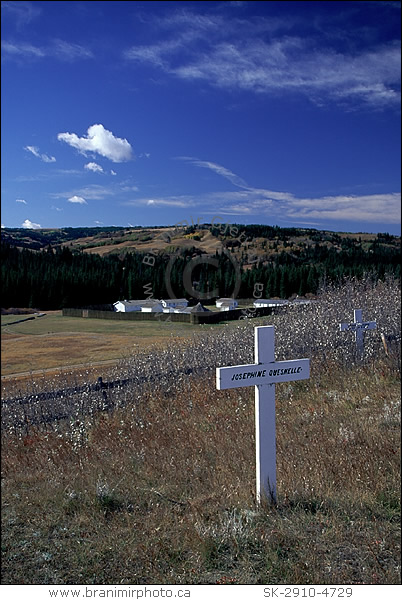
(153, 113)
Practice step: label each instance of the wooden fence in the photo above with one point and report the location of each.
(193, 318)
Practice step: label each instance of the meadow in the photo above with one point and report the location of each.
(56, 342)
(161, 489)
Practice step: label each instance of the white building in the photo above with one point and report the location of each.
(269, 303)
(226, 303)
(174, 303)
(127, 305)
(138, 306)
(151, 306)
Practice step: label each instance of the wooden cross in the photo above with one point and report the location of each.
(359, 327)
(264, 374)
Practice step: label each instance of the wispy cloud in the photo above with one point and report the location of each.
(21, 201)
(68, 52)
(27, 224)
(174, 201)
(235, 179)
(43, 157)
(100, 141)
(180, 201)
(20, 50)
(280, 205)
(369, 208)
(291, 66)
(218, 169)
(58, 49)
(96, 192)
(49, 175)
(90, 192)
(154, 54)
(22, 12)
(375, 208)
(222, 53)
(128, 188)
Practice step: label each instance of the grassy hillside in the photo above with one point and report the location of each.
(259, 241)
(161, 490)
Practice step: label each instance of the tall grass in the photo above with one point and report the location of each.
(162, 488)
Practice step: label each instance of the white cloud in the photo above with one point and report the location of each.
(10, 50)
(21, 201)
(156, 54)
(77, 200)
(365, 208)
(23, 12)
(100, 141)
(98, 222)
(58, 49)
(266, 57)
(177, 201)
(368, 208)
(96, 192)
(27, 224)
(113, 172)
(69, 52)
(92, 166)
(90, 192)
(35, 151)
(218, 169)
(290, 66)
(129, 188)
(237, 181)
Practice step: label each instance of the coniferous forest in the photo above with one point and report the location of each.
(58, 276)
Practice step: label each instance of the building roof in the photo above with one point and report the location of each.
(226, 300)
(199, 308)
(150, 303)
(175, 300)
(270, 301)
(145, 302)
(195, 309)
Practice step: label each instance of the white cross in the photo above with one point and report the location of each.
(359, 327)
(263, 375)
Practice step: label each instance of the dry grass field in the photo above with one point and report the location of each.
(163, 492)
(160, 489)
(57, 342)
